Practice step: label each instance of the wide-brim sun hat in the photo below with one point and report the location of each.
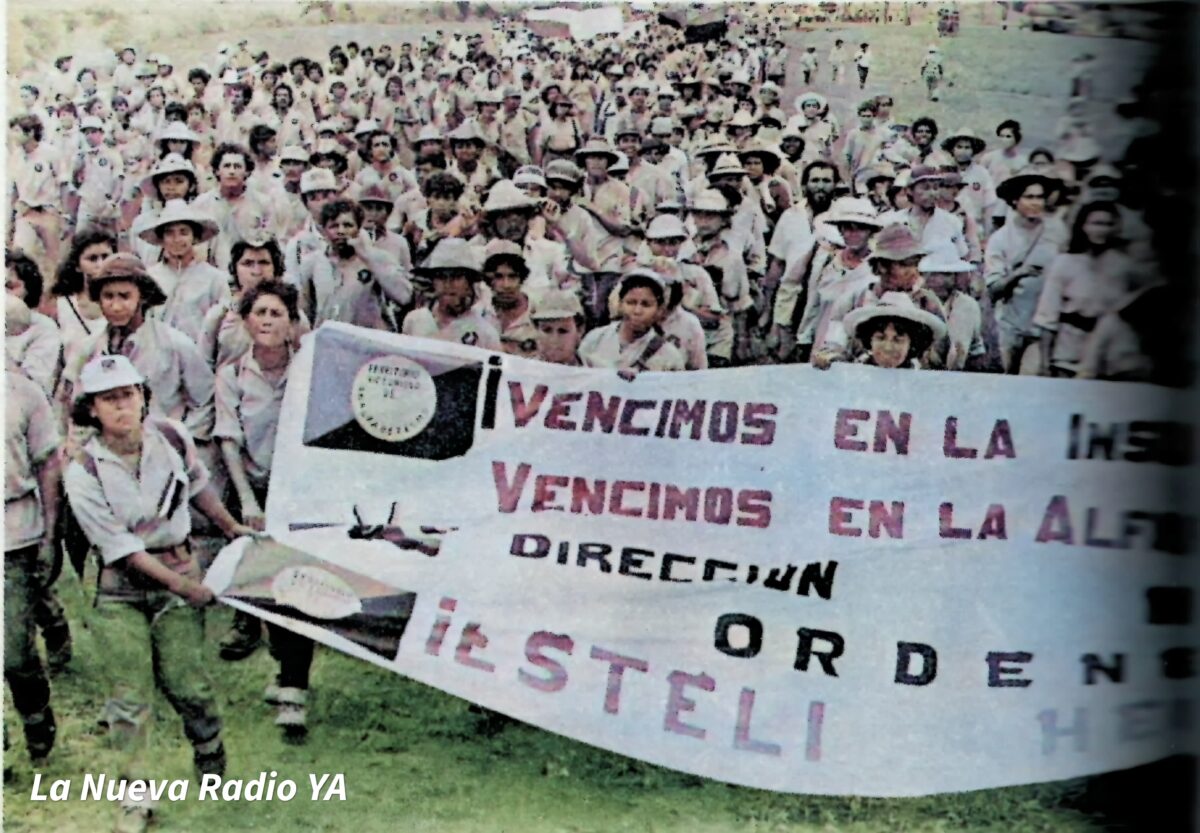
(178, 211)
(317, 179)
(772, 158)
(727, 164)
(453, 254)
(172, 163)
(895, 242)
(1011, 189)
(176, 131)
(555, 304)
(944, 260)
(666, 227)
(597, 146)
(798, 102)
(894, 305)
(564, 170)
(858, 210)
(977, 141)
(125, 266)
(506, 196)
(710, 201)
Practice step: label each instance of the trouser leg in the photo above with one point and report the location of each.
(179, 662)
(23, 671)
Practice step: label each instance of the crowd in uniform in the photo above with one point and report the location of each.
(633, 202)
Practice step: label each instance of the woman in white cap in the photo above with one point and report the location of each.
(893, 332)
(130, 488)
(635, 341)
(192, 286)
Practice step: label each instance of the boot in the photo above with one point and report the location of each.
(292, 716)
(58, 647)
(243, 639)
(209, 758)
(40, 731)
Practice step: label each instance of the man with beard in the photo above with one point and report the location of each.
(796, 234)
(505, 271)
(935, 228)
(454, 267)
(349, 280)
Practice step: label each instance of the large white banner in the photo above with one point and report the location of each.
(857, 581)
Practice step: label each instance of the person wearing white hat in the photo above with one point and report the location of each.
(948, 277)
(98, 179)
(350, 279)
(808, 292)
(130, 488)
(511, 214)
(192, 286)
(507, 306)
(635, 341)
(454, 268)
(173, 178)
(720, 251)
(558, 317)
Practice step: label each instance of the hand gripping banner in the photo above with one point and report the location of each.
(856, 582)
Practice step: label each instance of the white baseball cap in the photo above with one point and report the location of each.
(107, 372)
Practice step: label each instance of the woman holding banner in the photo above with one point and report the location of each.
(130, 487)
(249, 398)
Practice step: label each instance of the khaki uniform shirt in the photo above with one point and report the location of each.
(30, 439)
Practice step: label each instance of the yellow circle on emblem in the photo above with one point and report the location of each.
(394, 398)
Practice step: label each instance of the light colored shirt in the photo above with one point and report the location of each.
(30, 439)
(248, 404)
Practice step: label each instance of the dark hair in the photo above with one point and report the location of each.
(259, 134)
(819, 163)
(196, 104)
(229, 149)
(68, 279)
(285, 292)
(920, 337)
(302, 62)
(81, 409)
(1079, 242)
(193, 74)
(443, 185)
(634, 281)
(517, 262)
(68, 107)
(29, 123)
(340, 164)
(332, 210)
(176, 111)
(1042, 152)
(197, 230)
(28, 272)
(36, 92)
(269, 246)
(282, 86)
(187, 151)
(84, 71)
(437, 160)
(925, 121)
(1010, 124)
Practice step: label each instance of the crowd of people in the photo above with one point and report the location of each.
(633, 202)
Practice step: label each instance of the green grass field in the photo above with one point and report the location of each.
(415, 760)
